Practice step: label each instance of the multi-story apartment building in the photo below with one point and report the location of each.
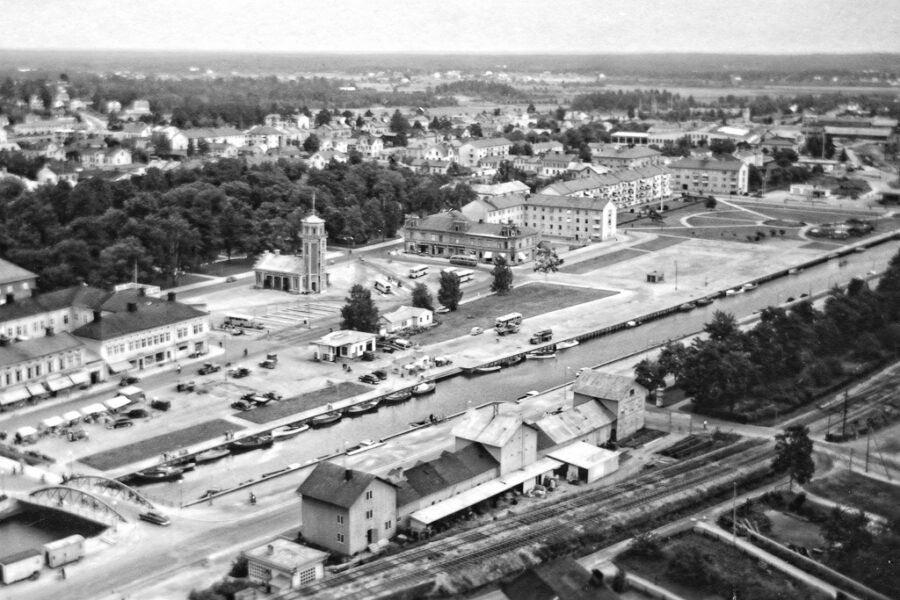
(624, 157)
(709, 176)
(36, 367)
(571, 217)
(471, 152)
(449, 233)
(625, 188)
(15, 282)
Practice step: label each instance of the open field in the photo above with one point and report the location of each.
(598, 262)
(697, 568)
(659, 243)
(530, 300)
(131, 453)
(852, 489)
(285, 408)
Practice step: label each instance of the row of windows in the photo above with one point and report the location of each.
(36, 326)
(26, 373)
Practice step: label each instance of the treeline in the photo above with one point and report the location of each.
(161, 223)
(210, 102)
(788, 357)
(486, 90)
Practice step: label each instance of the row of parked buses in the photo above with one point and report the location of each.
(463, 275)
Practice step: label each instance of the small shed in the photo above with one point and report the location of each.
(282, 565)
(655, 277)
(586, 463)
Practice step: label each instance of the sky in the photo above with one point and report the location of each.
(455, 26)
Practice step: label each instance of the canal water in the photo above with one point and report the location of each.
(458, 393)
(31, 527)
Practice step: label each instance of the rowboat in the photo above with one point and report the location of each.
(326, 418)
(749, 286)
(703, 301)
(688, 306)
(364, 445)
(567, 344)
(363, 407)
(527, 395)
(211, 455)
(288, 431)
(263, 440)
(540, 355)
(426, 387)
(491, 369)
(397, 397)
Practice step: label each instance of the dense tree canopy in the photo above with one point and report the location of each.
(360, 312)
(449, 293)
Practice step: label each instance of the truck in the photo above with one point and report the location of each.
(538, 337)
(26, 564)
(62, 552)
(133, 393)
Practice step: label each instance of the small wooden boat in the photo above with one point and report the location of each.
(540, 355)
(703, 301)
(688, 306)
(165, 473)
(749, 286)
(734, 291)
(426, 387)
(567, 344)
(512, 360)
(326, 418)
(397, 397)
(364, 445)
(212, 454)
(794, 271)
(491, 369)
(527, 395)
(363, 407)
(288, 431)
(188, 464)
(263, 440)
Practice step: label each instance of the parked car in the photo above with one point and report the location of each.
(230, 279)
(137, 413)
(77, 434)
(185, 386)
(155, 518)
(129, 380)
(160, 404)
(380, 374)
(239, 372)
(241, 405)
(386, 348)
(369, 378)
(476, 331)
(208, 368)
(268, 364)
(442, 310)
(122, 422)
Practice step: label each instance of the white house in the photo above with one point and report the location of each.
(406, 317)
(345, 343)
(281, 565)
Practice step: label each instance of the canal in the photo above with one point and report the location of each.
(456, 394)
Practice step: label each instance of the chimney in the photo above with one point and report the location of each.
(98, 315)
(10, 298)
(132, 306)
(348, 474)
(171, 296)
(142, 292)
(270, 549)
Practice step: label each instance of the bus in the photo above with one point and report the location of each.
(383, 286)
(508, 323)
(449, 271)
(416, 272)
(465, 260)
(464, 275)
(240, 320)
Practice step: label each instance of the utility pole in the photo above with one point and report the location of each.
(868, 440)
(844, 420)
(734, 516)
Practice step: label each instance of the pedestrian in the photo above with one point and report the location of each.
(62, 572)
(220, 343)
(179, 369)
(245, 352)
(704, 424)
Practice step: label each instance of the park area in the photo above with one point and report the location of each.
(530, 300)
(697, 568)
(852, 489)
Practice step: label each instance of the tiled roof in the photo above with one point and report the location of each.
(626, 152)
(574, 202)
(150, 313)
(211, 132)
(490, 142)
(707, 164)
(10, 272)
(486, 428)
(16, 352)
(449, 469)
(329, 483)
(607, 386)
(572, 424)
(502, 202)
(84, 296)
(444, 222)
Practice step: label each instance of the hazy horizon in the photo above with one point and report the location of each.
(457, 27)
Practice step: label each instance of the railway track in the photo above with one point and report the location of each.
(598, 508)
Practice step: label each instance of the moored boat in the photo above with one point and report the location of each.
(540, 355)
(687, 307)
(426, 387)
(212, 454)
(363, 407)
(364, 445)
(567, 344)
(749, 286)
(491, 369)
(158, 474)
(703, 301)
(288, 431)
(512, 360)
(254, 442)
(397, 397)
(326, 418)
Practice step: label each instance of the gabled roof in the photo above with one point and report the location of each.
(499, 189)
(707, 164)
(625, 153)
(571, 202)
(150, 313)
(329, 483)
(10, 272)
(489, 142)
(403, 313)
(17, 352)
(606, 386)
(449, 469)
(343, 337)
(211, 132)
(80, 295)
(572, 424)
(487, 428)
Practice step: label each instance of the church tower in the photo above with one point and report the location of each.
(312, 242)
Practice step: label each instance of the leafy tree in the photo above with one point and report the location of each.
(793, 454)
(323, 117)
(360, 312)
(503, 276)
(475, 130)
(546, 259)
(449, 293)
(399, 124)
(649, 374)
(711, 202)
(722, 146)
(312, 143)
(421, 297)
(722, 327)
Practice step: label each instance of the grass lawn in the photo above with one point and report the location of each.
(725, 571)
(598, 262)
(155, 446)
(810, 215)
(228, 267)
(822, 245)
(857, 490)
(736, 233)
(530, 300)
(659, 243)
(290, 406)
